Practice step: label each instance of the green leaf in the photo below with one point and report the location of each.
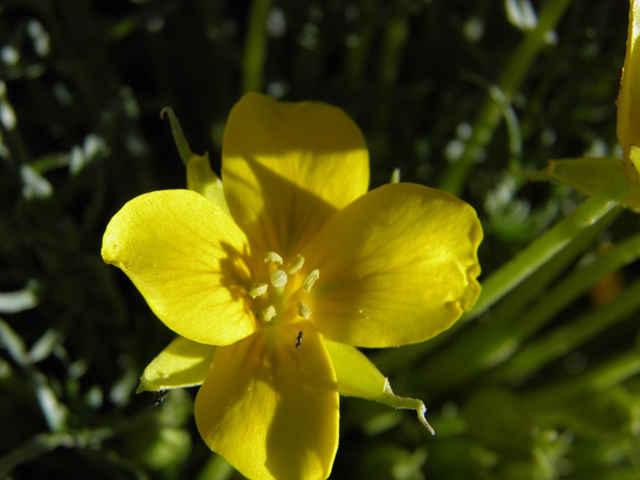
(178, 135)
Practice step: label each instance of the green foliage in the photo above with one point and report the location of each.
(539, 382)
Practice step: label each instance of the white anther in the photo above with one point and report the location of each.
(268, 313)
(272, 257)
(279, 278)
(310, 280)
(296, 264)
(303, 310)
(258, 289)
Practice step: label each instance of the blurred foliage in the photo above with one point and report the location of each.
(470, 96)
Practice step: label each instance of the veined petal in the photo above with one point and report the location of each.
(182, 364)
(186, 256)
(629, 96)
(397, 266)
(271, 409)
(288, 167)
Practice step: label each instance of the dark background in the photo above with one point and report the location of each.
(81, 87)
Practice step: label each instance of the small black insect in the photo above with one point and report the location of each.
(299, 339)
(159, 397)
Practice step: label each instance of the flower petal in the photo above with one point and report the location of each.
(182, 364)
(397, 266)
(629, 96)
(185, 255)
(288, 167)
(271, 409)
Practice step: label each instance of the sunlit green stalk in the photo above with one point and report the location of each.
(566, 338)
(546, 246)
(501, 95)
(577, 283)
(255, 46)
(535, 284)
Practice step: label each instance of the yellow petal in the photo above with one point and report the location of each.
(185, 255)
(594, 176)
(182, 364)
(201, 179)
(356, 375)
(629, 96)
(288, 167)
(271, 409)
(397, 266)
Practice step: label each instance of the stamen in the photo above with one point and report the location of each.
(296, 265)
(258, 289)
(303, 310)
(310, 280)
(268, 313)
(272, 257)
(279, 278)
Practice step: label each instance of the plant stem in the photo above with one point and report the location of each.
(501, 96)
(255, 46)
(566, 338)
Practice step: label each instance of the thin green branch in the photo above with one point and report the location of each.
(255, 46)
(507, 86)
(566, 338)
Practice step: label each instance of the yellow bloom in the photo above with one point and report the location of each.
(302, 265)
(594, 176)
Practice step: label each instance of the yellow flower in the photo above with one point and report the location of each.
(303, 265)
(594, 176)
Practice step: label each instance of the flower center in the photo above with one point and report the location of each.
(281, 293)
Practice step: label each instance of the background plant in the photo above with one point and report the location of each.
(539, 381)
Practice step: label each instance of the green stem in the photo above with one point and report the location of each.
(546, 247)
(493, 342)
(357, 56)
(36, 447)
(605, 376)
(255, 46)
(568, 337)
(536, 283)
(43, 443)
(501, 95)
